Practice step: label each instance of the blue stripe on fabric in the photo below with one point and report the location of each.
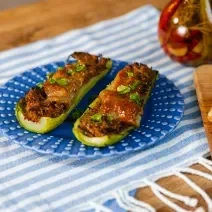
(5, 143)
(189, 93)
(11, 153)
(147, 10)
(168, 61)
(192, 115)
(185, 84)
(54, 54)
(19, 65)
(191, 104)
(140, 175)
(71, 46)
(159, 57)
(108, 163)
(173, 70)
(163, 166)
(19, 161)
(150, 51)
(56, 197)
(47, 163)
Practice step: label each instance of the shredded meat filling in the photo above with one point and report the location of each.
(35, 106)
(98, 129)
(122, 108)
(120, 105)
(58, 92)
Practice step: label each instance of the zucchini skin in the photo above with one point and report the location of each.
(47, 124)
(107, 139)
(99, 141)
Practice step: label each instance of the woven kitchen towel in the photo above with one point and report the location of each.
(34, 182)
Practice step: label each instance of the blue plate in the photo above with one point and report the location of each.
(162, 113)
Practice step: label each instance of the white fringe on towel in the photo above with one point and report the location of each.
(127, 202)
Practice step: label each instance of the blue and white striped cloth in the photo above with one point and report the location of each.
(34, 182)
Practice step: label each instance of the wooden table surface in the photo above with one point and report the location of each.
(48, 18)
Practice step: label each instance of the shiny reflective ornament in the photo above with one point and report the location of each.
(185, 31)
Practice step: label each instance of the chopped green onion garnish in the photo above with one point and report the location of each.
(40, 85)
(76, 113)
(136, 98)
(108, 64)
(122, 89)
(60, 68)
(97, 117)
(80, 67)
(70, 71)
(135, 84)
(110, 117)
(62, 81)
(52, 81)
(49, 75)
(130, 74)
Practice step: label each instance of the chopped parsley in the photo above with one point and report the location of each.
(97, 117)
(123, 89)
(136, 98)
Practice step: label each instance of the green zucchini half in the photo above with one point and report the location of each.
(111, 138)
(47, 124)
(99, 141)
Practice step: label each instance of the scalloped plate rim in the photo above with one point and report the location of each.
(139, 148)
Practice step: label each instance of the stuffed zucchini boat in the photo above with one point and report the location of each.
(118, 109)
(47, 105)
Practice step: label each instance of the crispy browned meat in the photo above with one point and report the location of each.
(34, 98)
(125, 110)
(55, 92)
(85, 58)
(107, 126)
(36, 106)
(55, 98)
(95, 64)
(50, 109)
(121, 107)
(140, 72)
